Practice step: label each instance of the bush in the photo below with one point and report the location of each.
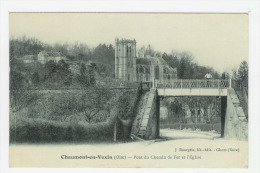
(61, 117)
(41, 131)
(16, 80)
(22, 98)
(35, 78)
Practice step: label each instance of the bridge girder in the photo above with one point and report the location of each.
(191, 92)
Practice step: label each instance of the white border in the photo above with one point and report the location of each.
(241, 6)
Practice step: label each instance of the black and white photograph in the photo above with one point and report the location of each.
(128, 90)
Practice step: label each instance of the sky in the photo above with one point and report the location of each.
(216, 40)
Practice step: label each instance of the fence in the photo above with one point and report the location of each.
(193, 83)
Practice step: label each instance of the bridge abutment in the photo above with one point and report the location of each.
(236, 126)
(146, 123)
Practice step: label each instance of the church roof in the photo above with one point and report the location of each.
(29, 57)
(50, 54)
(154, 61)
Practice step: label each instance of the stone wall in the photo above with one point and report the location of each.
(236, 125)
(146, 123)
(152, 130)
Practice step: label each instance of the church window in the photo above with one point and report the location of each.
(156, 72)
(147, 76)
(164, 70)
(147, 70)
(141, 70)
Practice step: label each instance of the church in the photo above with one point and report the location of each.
(144, 68)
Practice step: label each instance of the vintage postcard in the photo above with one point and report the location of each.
(128, 90)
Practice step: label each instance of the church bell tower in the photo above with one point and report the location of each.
(125, 60)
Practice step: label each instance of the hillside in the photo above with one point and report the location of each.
(63, 115)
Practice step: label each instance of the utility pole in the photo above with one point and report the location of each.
(115, 132)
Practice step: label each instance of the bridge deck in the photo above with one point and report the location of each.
(193, 83)
(192, 87)
(191, 92)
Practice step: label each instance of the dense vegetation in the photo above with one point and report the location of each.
(54, 75)
(186, 67)
(62, 115)
(202, 113)
(240, 75)
(102, 58)
(193, 109)
(183, 61)
(58, 101)
(103, 53)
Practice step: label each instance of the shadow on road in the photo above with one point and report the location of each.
(187, 137)
(169, 134)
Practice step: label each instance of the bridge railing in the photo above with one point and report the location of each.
(193, 83)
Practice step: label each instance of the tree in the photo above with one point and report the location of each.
(243, 73)
(16, 80)
(181, 68)
(87, 76)
(234, 74)
(35, 78)
(83, 69)
(94, 104)
(172, 60)
(63, 67)
(187, 67)
(91, 76)
(141, 52)
(25, 46)
(61, 48)
(104, 54)
(51, 67)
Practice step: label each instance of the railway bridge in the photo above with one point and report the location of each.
(147, 121)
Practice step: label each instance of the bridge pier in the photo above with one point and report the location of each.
(223, 114)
